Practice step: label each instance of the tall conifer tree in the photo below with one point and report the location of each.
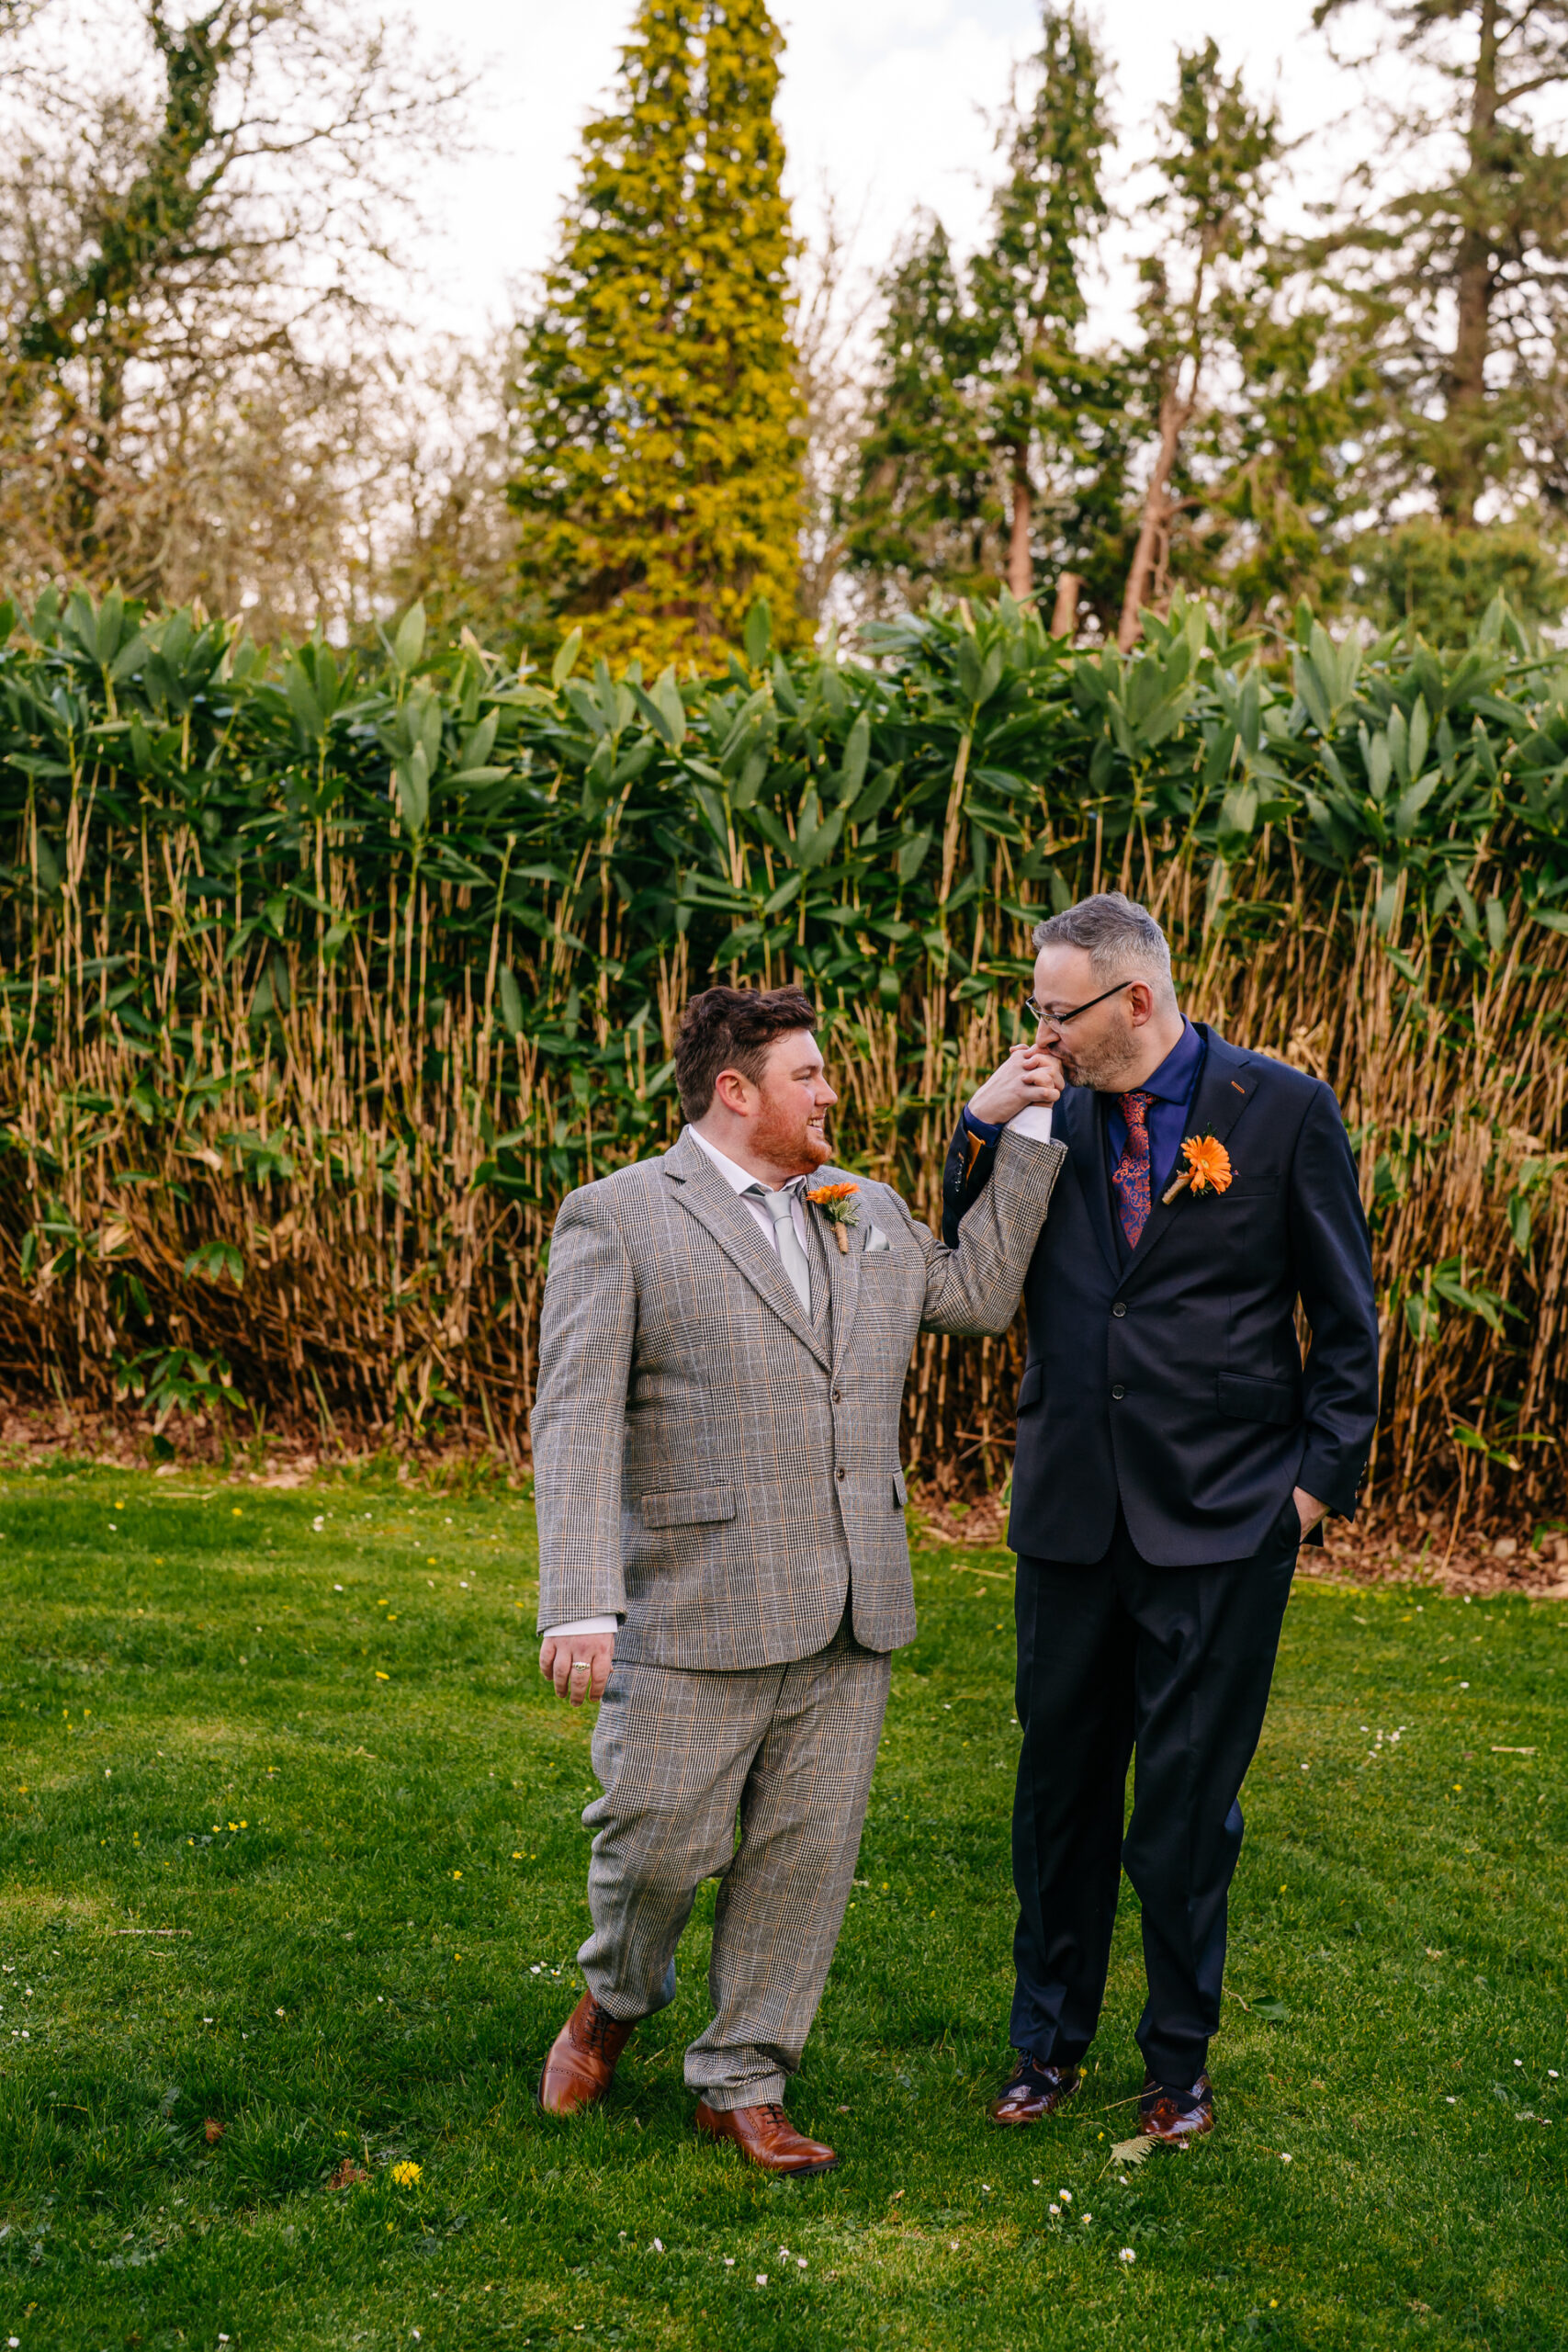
(926, 510)
(1205, 289)
(995, 449)
(660, 485)
(1027, 284)
(1461, 280)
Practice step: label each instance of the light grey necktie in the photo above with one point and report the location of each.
(791, 1257)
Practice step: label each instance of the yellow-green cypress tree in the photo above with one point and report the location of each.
(660, 484)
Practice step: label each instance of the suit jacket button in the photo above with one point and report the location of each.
(1119, 1307)
(841, 1474)
(838, 1396)
(1118, 1392)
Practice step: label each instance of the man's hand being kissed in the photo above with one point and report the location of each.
(1029, 1075)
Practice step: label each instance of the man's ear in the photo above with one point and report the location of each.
(1141, 999)
(734, 1091)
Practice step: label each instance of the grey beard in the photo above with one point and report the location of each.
(1106, 1073)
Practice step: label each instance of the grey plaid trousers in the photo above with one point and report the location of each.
(788, 1750)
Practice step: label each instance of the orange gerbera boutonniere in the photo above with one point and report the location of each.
(1207, 1167)
(836, 1202)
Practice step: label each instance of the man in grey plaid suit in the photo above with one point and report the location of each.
(722, 1551)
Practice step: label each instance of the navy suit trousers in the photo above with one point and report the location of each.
(1171, 1664)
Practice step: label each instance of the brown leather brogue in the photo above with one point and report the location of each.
(582, 2063)
(1176, 2117)
(1033, 2091)
(766, 2138)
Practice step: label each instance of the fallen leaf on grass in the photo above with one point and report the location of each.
(348, 2174)
(212, 2130)
(1131, 2152)
(1268, 2006)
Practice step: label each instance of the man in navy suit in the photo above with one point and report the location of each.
(1173, 1453)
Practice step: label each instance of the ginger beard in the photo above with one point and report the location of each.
(791, 1127)
(786, 1135)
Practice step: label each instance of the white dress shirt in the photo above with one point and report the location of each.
(739, 1181)
(1033, 1121)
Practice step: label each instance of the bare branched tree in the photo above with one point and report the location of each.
(197, 278)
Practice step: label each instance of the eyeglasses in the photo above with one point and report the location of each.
(1059, 1021)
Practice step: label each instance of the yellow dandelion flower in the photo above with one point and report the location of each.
(407, 2176)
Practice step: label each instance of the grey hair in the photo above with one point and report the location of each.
(1122, 940)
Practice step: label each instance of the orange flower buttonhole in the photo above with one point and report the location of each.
(1209, 1162)
(1207, 1167)
(836, 1204)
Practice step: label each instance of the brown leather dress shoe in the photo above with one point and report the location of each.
(582, 2063)
(766, 2138)
(1033, 2091)
(1176, 2117)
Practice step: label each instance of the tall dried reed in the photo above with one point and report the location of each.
(325, 983)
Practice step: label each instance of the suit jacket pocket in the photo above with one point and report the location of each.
(1246, 1400)
(693, 1507)
(877, 1244)
(1033, 1386)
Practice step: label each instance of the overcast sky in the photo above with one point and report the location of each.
(888, 103)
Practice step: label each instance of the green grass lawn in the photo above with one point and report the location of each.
(292, 1848)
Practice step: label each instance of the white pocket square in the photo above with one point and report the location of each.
(874, 1240)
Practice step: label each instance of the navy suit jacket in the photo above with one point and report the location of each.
(1172, 1381)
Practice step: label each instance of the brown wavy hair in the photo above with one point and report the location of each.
(732, 1029)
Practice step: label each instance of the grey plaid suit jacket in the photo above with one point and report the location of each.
(708, 1462)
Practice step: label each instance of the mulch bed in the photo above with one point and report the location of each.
(1413, 1547)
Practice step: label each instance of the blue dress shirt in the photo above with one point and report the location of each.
(1172, 1086)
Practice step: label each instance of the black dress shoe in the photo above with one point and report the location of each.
(1033, 2090)
(1176, 2117)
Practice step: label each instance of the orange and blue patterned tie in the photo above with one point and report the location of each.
(1130, 1179)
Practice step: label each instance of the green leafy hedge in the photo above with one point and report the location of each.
(328, 976)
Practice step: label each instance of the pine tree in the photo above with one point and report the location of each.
(1277, 456)
(995, 449)
(1205, 290)
(1460, 282)
(1027, 284)
(660, 484)
(926, 512)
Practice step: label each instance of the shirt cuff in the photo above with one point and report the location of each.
(987, 1130)
(582, 1625)
(1034, 1121)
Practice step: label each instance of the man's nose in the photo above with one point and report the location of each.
(825, 1094)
